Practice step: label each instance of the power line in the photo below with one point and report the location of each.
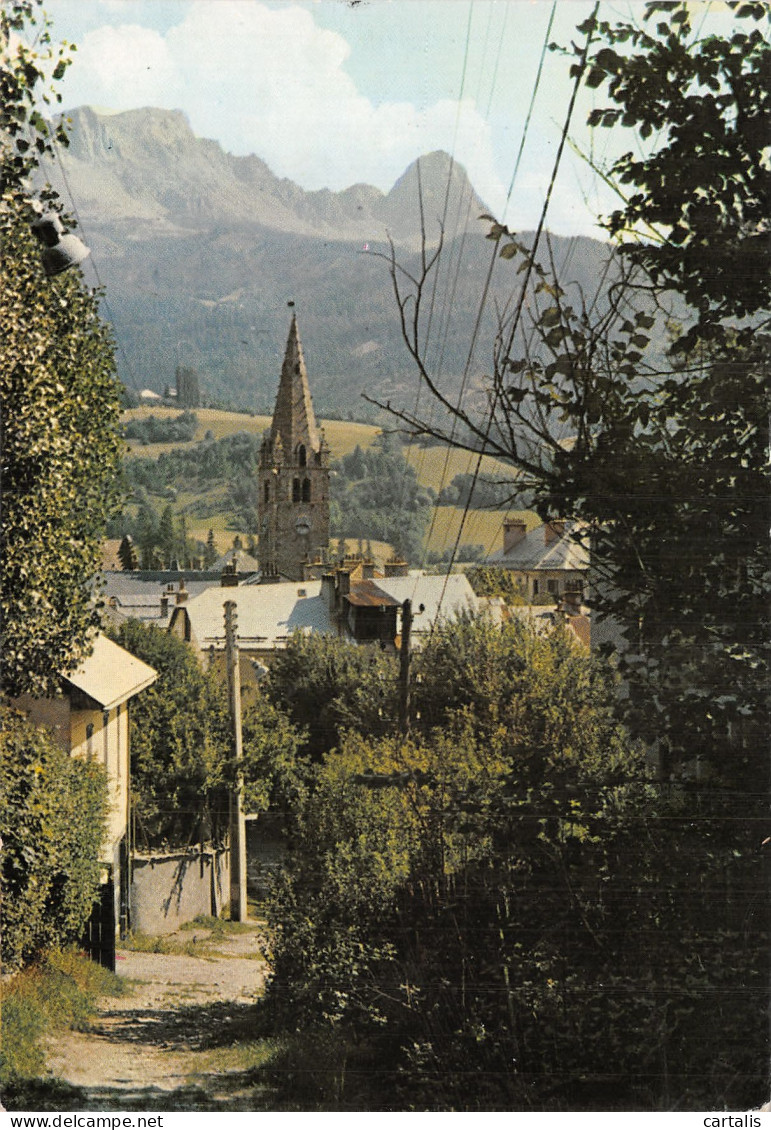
(490, 271)
(526, 280)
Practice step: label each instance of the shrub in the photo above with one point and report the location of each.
(159, 429)
(56, 994)
(52, 816)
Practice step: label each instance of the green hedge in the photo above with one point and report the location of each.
(53, 810)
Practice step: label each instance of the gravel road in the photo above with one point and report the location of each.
(172, 1042)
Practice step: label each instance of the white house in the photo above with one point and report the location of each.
(89, 718)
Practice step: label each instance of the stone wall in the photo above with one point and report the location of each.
(170, 889)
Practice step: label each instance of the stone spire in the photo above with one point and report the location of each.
(293, 475)
(294, 420)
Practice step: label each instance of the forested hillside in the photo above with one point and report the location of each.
(199, 266)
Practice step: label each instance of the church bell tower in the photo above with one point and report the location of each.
(293, 474)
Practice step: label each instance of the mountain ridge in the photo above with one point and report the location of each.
(200, 250)
(122, 160)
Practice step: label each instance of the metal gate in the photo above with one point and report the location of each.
(99, 937)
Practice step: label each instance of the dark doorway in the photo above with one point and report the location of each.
(99, 937)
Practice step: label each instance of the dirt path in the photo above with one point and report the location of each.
(180, 1040)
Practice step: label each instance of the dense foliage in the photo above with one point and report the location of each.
(475, 917)
(326, 685)
(60, 398)
(161, 429)
(478, 493)
(665, 461)
(60, 463)
(182, 767)
(52, 819)
(492, 580)
(376, 494)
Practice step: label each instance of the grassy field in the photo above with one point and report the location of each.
(437, 465)
(433, 465)
(342, 435)
(482, 527)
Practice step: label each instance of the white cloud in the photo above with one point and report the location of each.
(124, 67)
(271, 82)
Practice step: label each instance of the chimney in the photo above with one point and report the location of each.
(395, 567)
(367, 570)
(328, 590)
(514, 530)
(229, 575)
(312, 570)
(164, 604)
(553, 531)
(570, 602)
(182, 593)
(343, 581)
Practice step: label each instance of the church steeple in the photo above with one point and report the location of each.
(294, 474)
(293, 418)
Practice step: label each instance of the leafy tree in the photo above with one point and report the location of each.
(24, 80)
(666, 456)
(61, 404)
(210, 554)
(478, 493)
(700, 193)
(326, 685)
(475, 911)
(665, 462)
(181, 763)
(491, 580)
(167, 535)
(161, 429)
(188, 387)
(53, 811)
(146, 534)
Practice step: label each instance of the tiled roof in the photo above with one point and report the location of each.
(533, 552)
(245, 562)
(267, 614)
(146, 583)
(369, 594)
(441, 596)
(134, 596)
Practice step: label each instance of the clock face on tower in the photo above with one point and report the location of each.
(303, 524)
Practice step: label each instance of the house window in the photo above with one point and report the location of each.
(295, 490)
(306, 490)
(535, 588)
(90, 741)
(553, 587)
(302, 458)
(106, 732)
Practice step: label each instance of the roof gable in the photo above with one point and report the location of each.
(110, 675)
(534, 551)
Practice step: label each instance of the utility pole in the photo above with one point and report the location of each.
(404, 669)
(237, 823)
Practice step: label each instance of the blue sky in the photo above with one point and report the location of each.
(330, 93)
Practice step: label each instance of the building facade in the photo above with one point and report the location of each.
(293, 475)
(89, 718)
(549, 562)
